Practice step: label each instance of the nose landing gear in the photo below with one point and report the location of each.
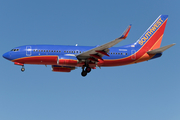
(20, 64)
(23, 69)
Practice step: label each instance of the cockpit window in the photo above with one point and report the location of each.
(15, 50)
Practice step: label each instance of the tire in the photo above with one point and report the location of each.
(83, 73)
(22, 69)
(88, 69)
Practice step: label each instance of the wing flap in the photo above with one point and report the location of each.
(160, 50)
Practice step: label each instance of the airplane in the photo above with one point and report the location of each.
(65, 58)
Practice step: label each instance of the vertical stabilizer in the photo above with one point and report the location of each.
(152, 37)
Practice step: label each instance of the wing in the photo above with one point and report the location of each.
(98, 52)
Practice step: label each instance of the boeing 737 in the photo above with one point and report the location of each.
(65, 58)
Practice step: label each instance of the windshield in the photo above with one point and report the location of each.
(15, 50)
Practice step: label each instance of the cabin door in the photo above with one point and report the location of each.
(133, 54)
(28, 51)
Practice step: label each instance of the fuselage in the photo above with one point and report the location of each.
(48, 55)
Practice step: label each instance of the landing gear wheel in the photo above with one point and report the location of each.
(88, 69)
(22, 69)
(83, 73)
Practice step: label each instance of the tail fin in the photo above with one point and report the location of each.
(152, 37)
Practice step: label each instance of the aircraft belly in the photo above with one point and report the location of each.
(44, 60)
(116, 62)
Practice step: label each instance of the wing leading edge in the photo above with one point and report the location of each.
(98, 52)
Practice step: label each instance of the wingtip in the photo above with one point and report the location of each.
(126, 32)
(172, 44)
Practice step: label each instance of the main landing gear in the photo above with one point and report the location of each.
(85, 70)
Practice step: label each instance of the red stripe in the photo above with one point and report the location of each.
(44, 60)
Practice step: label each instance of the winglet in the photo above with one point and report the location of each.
(160, 50)
(126, 32)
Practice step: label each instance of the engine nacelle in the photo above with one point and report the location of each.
(67, 61)
(57, 68)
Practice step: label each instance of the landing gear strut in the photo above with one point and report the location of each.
(86, 70)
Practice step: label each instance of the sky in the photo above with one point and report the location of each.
(144, 91)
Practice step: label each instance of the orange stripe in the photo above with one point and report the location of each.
(146, 56)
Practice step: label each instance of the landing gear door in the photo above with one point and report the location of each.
(28, 51)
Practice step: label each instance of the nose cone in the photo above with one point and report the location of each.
(6, 55)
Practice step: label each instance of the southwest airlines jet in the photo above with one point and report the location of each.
(65, 58)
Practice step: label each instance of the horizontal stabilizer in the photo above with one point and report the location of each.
(160, 50)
